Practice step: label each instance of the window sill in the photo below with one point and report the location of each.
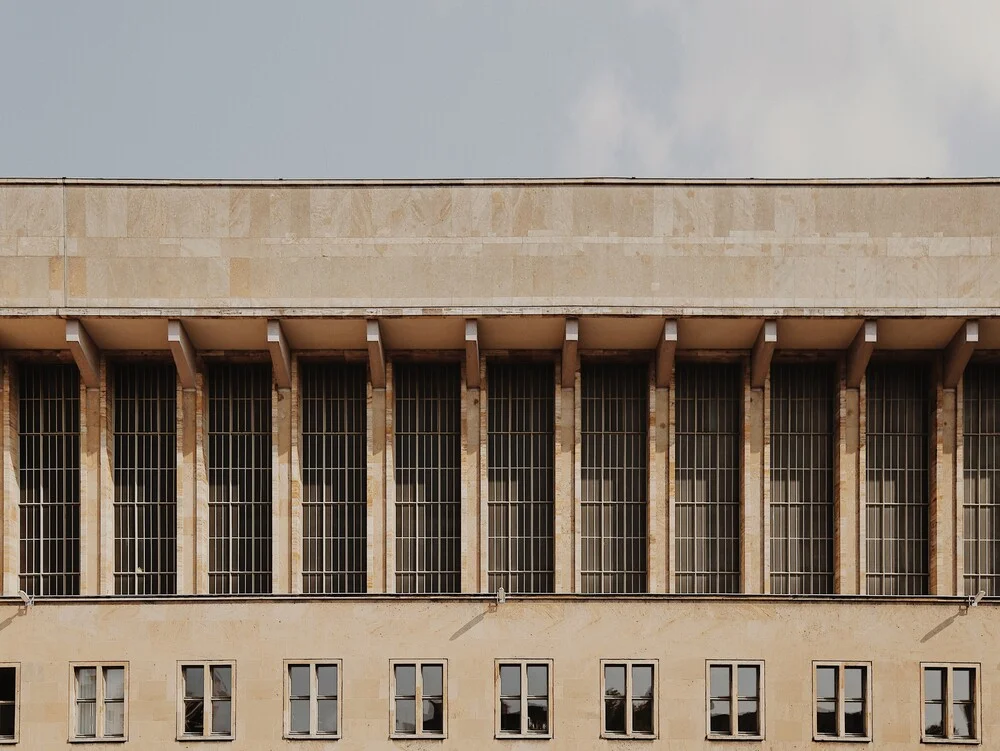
(737, 738)
(418, 736)
(953, 741)
(633, 737)
(842, 738)
(106, 739)
(317, 737)
(205, 738)
(523, 736)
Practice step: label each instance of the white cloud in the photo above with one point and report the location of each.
(795, 88)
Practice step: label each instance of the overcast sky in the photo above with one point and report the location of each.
(519, 88)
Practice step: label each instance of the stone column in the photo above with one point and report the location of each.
(658, 565)
(376, 488)
(565, 544)
(9, 468)
(847, 507)
(751, 522)
(470, 487)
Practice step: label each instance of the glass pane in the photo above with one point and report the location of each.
(719, 681)
(194, 716)
(222, 721)
(614, 715)
(538, 715)
(326, 680)
(748, 721)
(538, 680)
(854, 684)
(826, 717)
(963, 722)
(298, 679)
(114, 719)
(826, 683)
(194, 682)
(642, 716)
(86, 719)
(614, 680)
(934, 720)
(406, 715)
(432, 680)
(8, 683)
(510, 715)
(719, 719)
(642, 681)
(6, 720)
(114, 684)
(933, 684)
(299, 716)
(746, 681)
(961, 684)
(327, 717)
(510, 680)
(406, 680)
(433, 716)
(854, 718)
(222, 682)
(86, 683)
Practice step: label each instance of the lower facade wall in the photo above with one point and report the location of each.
(152, 637)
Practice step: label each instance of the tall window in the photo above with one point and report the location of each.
(8, 703)
(206, 702)
(99, 704)
(950, 695)
(843, 707)
(334, 466)
(239, 476)
(521, 458)
(708, 452)
(419, 699)
(629, 699)
(49, 430)
(524, 690)
(614, 403)
(735, 706)
(898, 418)
(802, 440)
(981, 480)
(428, 477)
(145, 476)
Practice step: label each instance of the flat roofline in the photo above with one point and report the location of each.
(532, 181)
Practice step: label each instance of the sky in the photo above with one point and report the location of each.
(518, 88)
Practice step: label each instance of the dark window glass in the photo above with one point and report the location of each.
(855, 685)
(826, 700)
(720, 701)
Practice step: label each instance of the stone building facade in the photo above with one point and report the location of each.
(271, 451)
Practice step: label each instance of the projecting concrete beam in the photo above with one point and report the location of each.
(472, 353)
(376, 355)
(763, 350)
(570, 353)
(281, 356)
(666, 353)
(860, 353)
(85, 352)
(185, 357)
(957, 355)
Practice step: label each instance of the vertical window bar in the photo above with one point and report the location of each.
(334, 467)
(521, 476)
(898, 419)
(49, 475)
(428, 477)
(981, 479)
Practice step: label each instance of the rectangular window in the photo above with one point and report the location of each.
(313, 691)
(981, 479)
(9, 692)
(950, 695)
(419, 699)
(709, 451)
(428, 477)
(206, 705)
(334, 453)
(239, 476)
(735, 700)
(802, 478)
(614, 453)
(521, 471)
(144, 415)
(842, 692)
(49, 475)
(524, 691)
(629, 706)
(100, 708)
(897, 454)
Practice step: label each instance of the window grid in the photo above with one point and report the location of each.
(524, 691)
(981, 480)
(419, 706)
(802, 478)
(145, 478)
(100, 708)
(49, 475)
(614, 423)
(897, 452)
(239, 471)
(629, 692)
(334, 449)
(428, 427)
(842, 691)
(949, 695)
(735, 699)
(9, 693)
(313, 690)
(709, 453)
(198, 719)
(521, 476)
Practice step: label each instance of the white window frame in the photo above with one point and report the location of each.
(207, 665)
(629, 734)
(418, 664)
(100, 703)
(949, 667)
(734, 666)
(313, 734)
(523, 664)
(17, 703)
(841, 736)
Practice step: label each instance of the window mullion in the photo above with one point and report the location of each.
(206, 689)
(628, 699)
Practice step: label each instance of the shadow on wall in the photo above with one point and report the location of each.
(963, 610)
(491, 608)
(21, 610)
